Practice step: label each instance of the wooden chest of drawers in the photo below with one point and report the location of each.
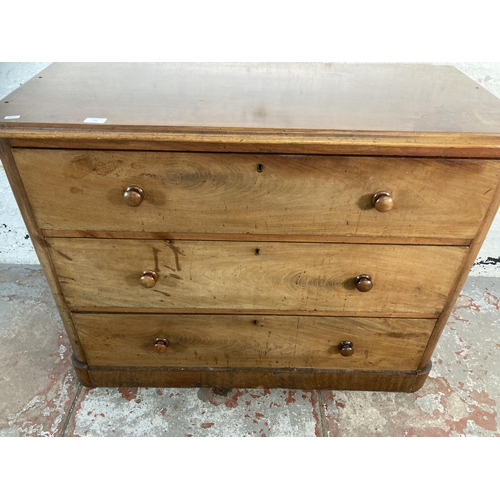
(241, 225)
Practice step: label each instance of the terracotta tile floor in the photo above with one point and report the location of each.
(41, 397)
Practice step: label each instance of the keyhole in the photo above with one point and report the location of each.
(260, 167)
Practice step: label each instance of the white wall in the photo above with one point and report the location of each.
(16, 247)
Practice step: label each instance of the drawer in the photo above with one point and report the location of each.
(106, 273)
(203, 193)
(198, 340)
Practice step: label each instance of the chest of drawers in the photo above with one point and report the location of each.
(243, 225)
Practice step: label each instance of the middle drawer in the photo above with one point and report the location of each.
(411, 281)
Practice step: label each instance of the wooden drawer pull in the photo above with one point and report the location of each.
(364, 283)
(149, 279)
(346, 348)
(133, 196)
(161, 345)
(383, 201)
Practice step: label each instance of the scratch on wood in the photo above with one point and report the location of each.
(296, 336)
(177, 252)
(66, 278)
(163, 293)
(67, 257)
(191, 265)
(357, 223)
(155, 254)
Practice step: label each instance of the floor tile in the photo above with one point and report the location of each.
(195, 412)
(37, 384)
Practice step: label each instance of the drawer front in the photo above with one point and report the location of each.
(196, 193)
(411, 280)
(200, 340)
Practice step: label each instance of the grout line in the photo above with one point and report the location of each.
(71, 408)
(322, 416)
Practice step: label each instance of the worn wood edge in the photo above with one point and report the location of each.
(291, 148)
(285, 378)
(467, 264)
(421, 377)
(82, 372)
(142, 235)
(237, 135)
(378, 143)
(251, 312)
(40, 246)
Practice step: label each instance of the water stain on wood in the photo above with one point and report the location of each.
(87, 163)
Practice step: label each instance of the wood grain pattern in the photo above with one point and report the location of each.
(281, 276)
(252, 341)
(312, 96)
(39, 245)
(462, 275)
(292, 195)
(305, 378)
(362, 109)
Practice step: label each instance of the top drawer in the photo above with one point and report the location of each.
(261, 194)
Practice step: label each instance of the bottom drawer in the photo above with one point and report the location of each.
(251, 341)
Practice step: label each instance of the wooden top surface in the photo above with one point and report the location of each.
(229, 96)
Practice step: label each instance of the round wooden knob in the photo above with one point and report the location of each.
(149, 279)
(133, 196)
(346, 348)
(383, 201)
(161, 345)
(364, 283)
